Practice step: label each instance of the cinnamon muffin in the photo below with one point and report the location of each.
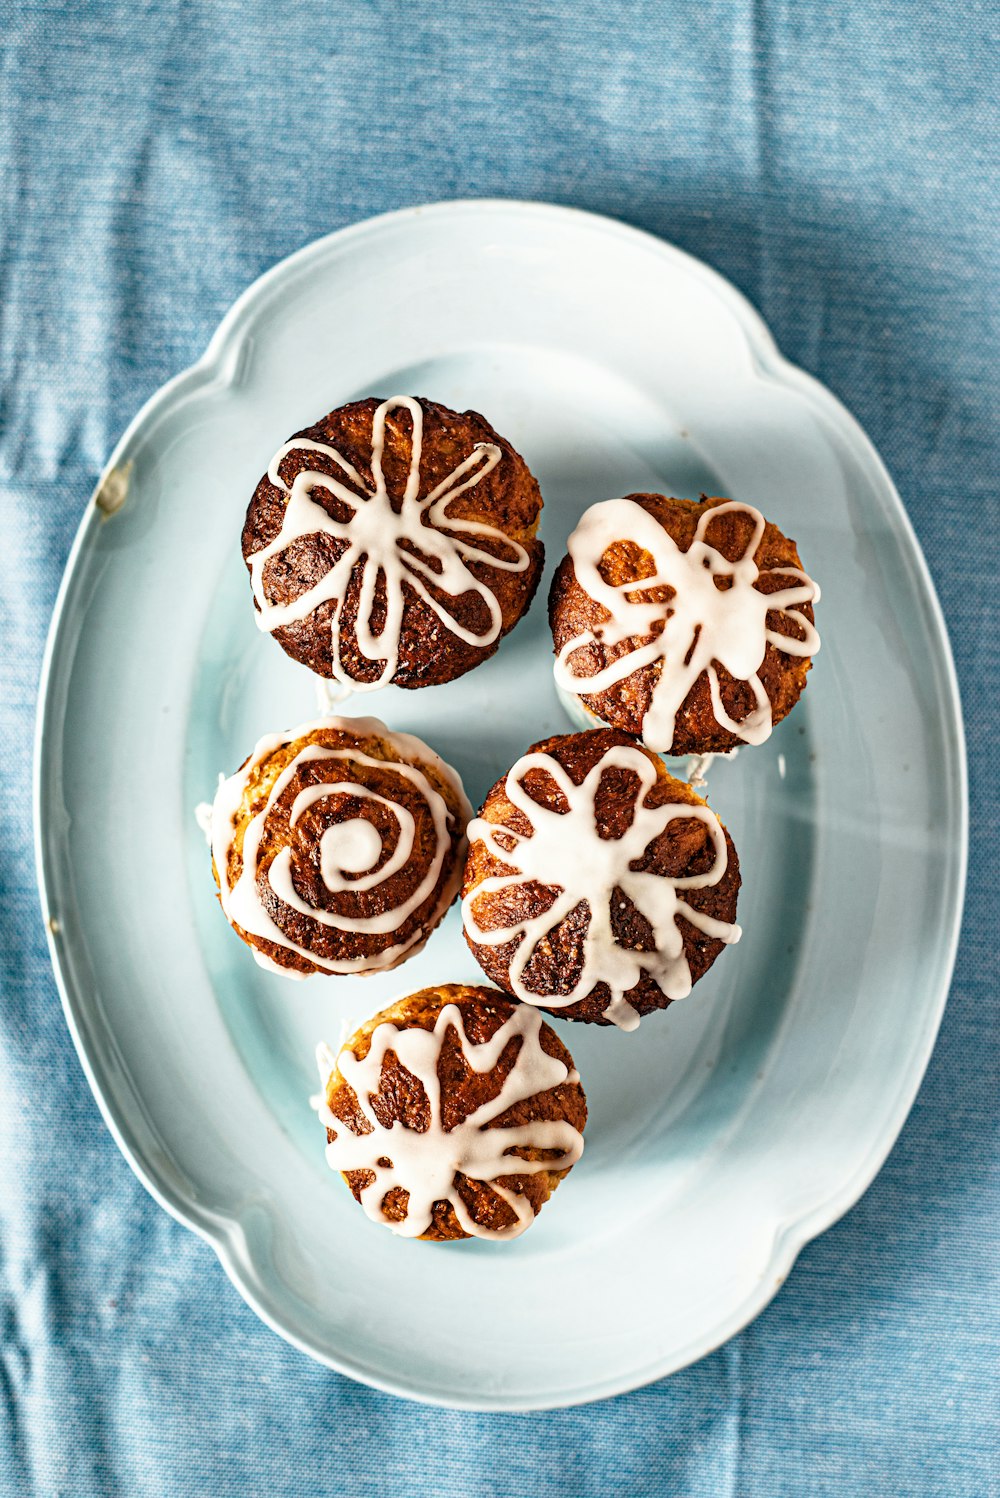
(393, 541)
(452, 1114)
(687, 624)
(338, 846)
(597, 886)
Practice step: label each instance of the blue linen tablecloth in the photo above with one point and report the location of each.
(838, 162)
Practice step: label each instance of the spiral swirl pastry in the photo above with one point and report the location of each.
(338, 847)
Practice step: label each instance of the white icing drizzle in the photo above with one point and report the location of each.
(349, 848)
(425, 1163)
(330, 696)
(700, 628)
(697, 766)
(203, 816)
(566, 853)
(378, 539)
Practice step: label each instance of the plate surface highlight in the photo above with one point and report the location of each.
(723, 1134)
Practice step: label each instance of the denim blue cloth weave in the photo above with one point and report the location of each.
(838, 162)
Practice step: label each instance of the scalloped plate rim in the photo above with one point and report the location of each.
(223, 1231)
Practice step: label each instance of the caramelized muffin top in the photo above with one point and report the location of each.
(453, 1114)
(597, 886)
(687, 624)
(393, 541)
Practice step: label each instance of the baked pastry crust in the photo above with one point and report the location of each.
(361, 574)
(540, 1125)
(588, 891)
(630, 702)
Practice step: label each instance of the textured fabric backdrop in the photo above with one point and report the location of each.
(837, 161)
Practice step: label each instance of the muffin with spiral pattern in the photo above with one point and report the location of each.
(337, 847)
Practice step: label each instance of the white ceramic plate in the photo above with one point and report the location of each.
(723, 1134)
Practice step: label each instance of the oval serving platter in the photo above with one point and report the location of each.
(724, 1134)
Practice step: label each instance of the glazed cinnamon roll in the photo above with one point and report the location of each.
(337, 847)
(597, 886)
(452, 1114)
(394, 541)
(687, 624)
